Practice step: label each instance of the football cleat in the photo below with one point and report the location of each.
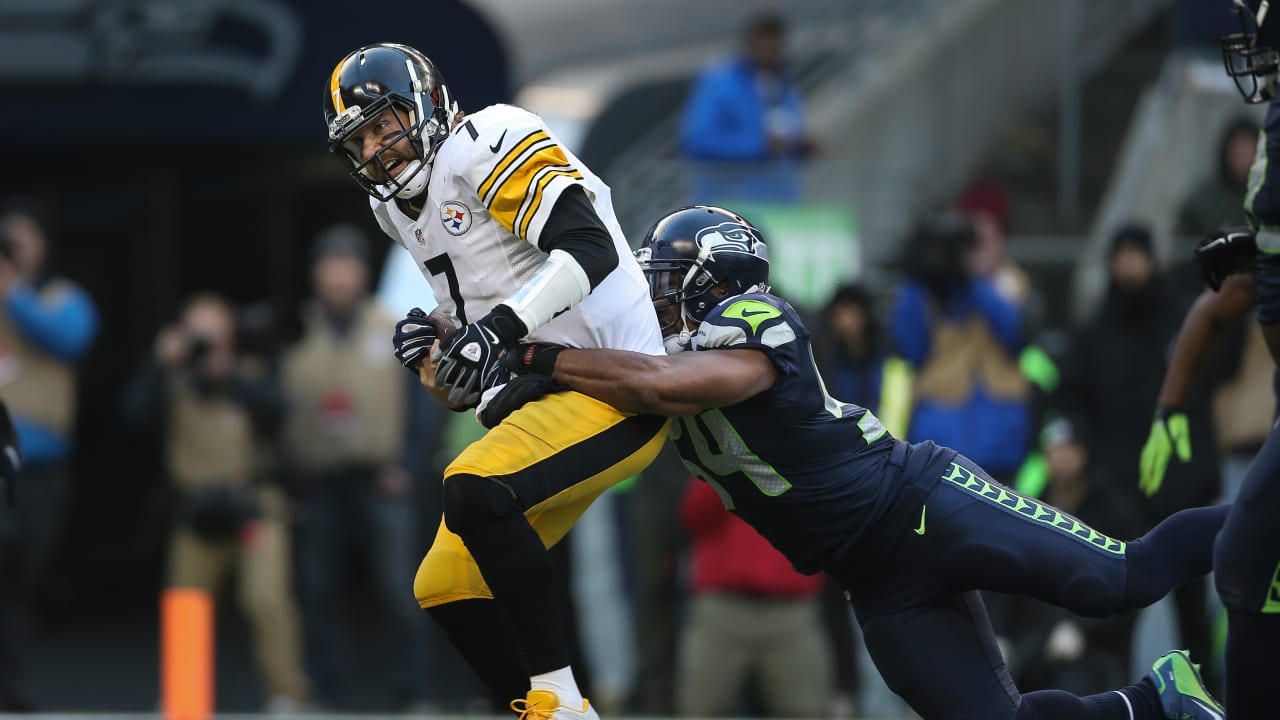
(544, 705)
(1182, 692)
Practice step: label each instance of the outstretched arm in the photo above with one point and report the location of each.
(670, 385)
(1199, 333)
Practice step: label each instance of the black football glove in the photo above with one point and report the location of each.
(413, 339)
(469, 355)
(519, 391)
(1226, 251)
(10, 460)
(534, 359)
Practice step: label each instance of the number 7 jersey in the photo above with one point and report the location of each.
(804, 469)
(493, 185)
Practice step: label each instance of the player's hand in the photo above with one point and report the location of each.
(534, 359)
(1226, 251)
(518, 392)
(415, 335)
(469, 356)
(1170, 433)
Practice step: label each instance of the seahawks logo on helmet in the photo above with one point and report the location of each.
(728, 237)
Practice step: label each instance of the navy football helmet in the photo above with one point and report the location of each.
(365, 84)
(1249, 55)
(691, 250)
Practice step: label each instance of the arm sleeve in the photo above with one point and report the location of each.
(63, 325)
(575, 228)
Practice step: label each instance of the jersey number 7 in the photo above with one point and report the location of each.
(442, 264)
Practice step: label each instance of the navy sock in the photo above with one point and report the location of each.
(1139, 702)
(1177, 550)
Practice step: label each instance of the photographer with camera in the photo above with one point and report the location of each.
(215, 410)
(963, 337)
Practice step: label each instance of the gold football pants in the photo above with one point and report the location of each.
(566, 449)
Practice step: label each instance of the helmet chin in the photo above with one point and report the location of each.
(418, 174)
(678, 342)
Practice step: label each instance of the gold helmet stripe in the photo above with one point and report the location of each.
(334, 89)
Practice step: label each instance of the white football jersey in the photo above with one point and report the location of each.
(493, 184)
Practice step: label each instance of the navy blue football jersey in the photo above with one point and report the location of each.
(803, 468)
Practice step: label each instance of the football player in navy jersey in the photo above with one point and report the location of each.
(1241, 266)
(911, 532)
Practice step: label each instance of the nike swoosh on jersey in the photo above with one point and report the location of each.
(923, 509)
(494, 148)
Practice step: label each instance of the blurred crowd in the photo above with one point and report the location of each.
(303, 469)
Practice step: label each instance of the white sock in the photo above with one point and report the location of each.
(561, 683)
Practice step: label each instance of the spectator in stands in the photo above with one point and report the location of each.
(743, 122)
(751, 617)
(47, 323)
(1050, 647)
(1109, 385)
(856, 362)
(987, 205)
(216, 408)
(1219, 200)
(355, 466)
(964, 338)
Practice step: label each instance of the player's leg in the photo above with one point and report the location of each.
(508, 497)
(988, 537)
(943, 660)
(1247, 573)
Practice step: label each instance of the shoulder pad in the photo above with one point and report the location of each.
(758, 319)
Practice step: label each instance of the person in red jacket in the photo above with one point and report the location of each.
(751, 619)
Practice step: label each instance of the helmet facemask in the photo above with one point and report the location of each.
(1253, 67)
(417, 124)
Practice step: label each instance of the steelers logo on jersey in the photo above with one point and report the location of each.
(455, 217)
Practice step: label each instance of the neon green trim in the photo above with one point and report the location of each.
(753, 312)
(1272, 605)
(1016, 504)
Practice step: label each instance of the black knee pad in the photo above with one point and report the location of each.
(473, 503)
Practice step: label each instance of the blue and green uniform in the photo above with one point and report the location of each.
(1247, 553)
(913, 531)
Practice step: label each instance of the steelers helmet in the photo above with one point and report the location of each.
(362, 88)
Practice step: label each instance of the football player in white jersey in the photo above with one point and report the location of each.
(518, 241)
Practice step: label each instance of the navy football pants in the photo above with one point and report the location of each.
(1246, 559)
(953, 530)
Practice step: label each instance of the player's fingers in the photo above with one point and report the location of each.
(463, 389)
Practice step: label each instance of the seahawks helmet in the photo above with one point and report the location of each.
(1249, 55)
(376, 78)
(689, 251)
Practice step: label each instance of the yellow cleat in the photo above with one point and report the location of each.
(545, 705)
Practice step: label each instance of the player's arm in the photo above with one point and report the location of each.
(534, 192)
(1201, 328)
(1199, 333)
(670, 385)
